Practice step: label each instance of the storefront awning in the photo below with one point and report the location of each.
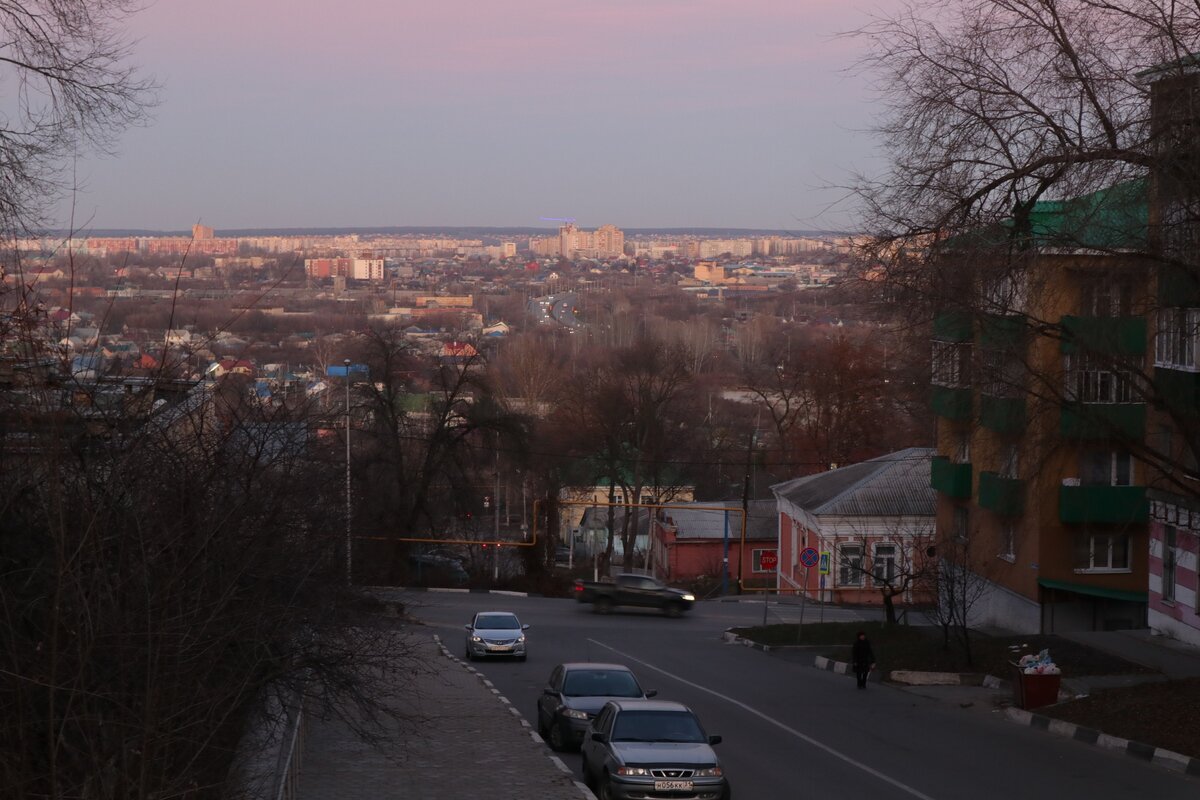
(1095, 591)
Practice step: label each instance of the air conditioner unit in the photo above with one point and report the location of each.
(1070, 481)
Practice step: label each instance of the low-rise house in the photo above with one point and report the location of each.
(704, 541)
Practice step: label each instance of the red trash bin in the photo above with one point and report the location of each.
(1034, 691)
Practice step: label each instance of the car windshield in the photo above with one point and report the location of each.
(600, 683)
(657, 726)
(497, 622)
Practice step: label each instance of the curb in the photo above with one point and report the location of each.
(1143, 752)
(444, 590)
(555, 760)
(732, 638)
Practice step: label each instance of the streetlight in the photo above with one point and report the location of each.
(349, 579)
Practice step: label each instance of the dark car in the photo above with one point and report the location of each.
(496, 633)
(645, 749)
(575, 693)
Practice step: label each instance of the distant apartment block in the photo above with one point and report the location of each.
(202, 232)
(607, 241)
(356, 269)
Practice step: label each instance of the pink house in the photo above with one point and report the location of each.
(691, 541)
(1174, 550)
(872, 525)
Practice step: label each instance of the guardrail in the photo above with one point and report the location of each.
(291, 757)
(267, 765)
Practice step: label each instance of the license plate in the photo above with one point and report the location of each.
(667, 786)
(499, 647)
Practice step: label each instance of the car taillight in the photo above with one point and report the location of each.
(579, 587)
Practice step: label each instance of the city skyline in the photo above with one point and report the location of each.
(644, 114)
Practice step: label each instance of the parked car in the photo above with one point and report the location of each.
(651, 749)
(496, 633)
(432, 570)
(628, 589)
(575, 693)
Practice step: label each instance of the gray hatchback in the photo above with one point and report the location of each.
(644, 749)
(574, 695)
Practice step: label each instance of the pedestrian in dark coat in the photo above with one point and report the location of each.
(862, 658)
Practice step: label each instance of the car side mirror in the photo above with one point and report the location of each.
(466, 627)
(714, 740)
(550, 692)
(599, 738)
(652, 693)
(525, 627)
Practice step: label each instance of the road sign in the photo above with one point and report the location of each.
(809, 557)
(825, 556)
(768, 560)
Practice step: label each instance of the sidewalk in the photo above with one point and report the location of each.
(1173, 659)
(463, 742)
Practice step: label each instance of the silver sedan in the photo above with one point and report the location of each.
(496, 633)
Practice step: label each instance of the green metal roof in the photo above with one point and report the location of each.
(1095, 591)
(1116, 218)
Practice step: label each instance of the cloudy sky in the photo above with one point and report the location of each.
(640, 113)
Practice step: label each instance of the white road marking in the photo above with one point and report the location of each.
(808, 739)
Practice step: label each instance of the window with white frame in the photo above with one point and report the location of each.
(1092, 378)
(1010, 461)
(1176, 343)
(1169, 560)
(951, 364)
(1101, 552)
(1004, 292)
(961, 523)
(1106, 468)
(756, 560)
(1008, 543)
(1003, 373)
(1106, 296)
(850, 562)
(885, 569)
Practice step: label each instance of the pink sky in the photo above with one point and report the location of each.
(636, 112)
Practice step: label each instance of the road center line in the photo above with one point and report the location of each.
(808, 739)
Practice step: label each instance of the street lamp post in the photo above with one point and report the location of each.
(349, 513)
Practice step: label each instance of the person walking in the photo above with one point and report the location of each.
(862, 658)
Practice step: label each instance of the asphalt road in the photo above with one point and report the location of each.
(794, 731)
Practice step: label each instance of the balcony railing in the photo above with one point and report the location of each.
(949, 478)
(1116, 336)
(1004, 496)
(1112, 505)
(1001, 332)
(1103, 421)
(1002, 414)
(951, 402)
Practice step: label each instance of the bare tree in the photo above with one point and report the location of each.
(66, 62)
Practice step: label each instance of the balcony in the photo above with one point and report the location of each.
(1002, 414)
(1003, 496)
(951, 402)
(1179, 390)
(949, 478)
(1177, 286)
(952, 326)
(1103, 421)
(1110, 505)
(997, 332)
(1114, 336)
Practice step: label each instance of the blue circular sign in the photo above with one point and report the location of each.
(809, 557)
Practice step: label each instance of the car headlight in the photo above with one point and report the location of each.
(689, 597)
(574, 713)
(709, 772)
(633, 771)
(476, 639)
(521, 639)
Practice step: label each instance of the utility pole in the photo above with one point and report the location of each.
(496, 513)
(349, 513)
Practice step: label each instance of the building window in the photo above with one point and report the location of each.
(1106, 296)
(1175, 346)
(1092, 378)
(1009, 461)
(1106, 468)
(1169, 560)
(756, 560)
(885, 571)
(951, 364)
(1003, 373)
(961, 523)
(1102, 552)
(850, 565)
(1008, 546)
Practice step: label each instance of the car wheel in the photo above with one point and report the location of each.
(588, 780)
(558, 741)
(603, 606)
(604, 790)
(674, 610)
(469, 655)
(727, 794)
(542, 732)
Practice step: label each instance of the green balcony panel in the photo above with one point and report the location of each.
(951, 402)
(952, 326)
(997, 332)
(950, 478)
(1111, 505)
(1179, 390)
(1103, 421)
(1004, 496)
(1117, 336)
(1179, 285)
(1002, 414)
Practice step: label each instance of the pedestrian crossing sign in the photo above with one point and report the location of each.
(824, 563)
